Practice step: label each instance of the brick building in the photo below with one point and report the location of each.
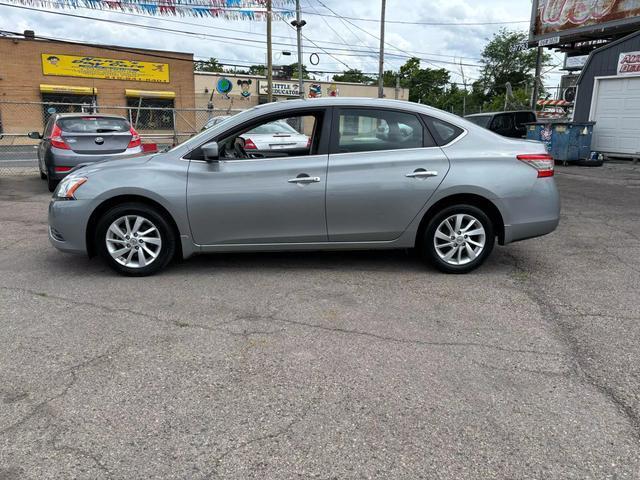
(40, 77)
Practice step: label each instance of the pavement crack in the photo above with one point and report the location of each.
(564, 333)
(385, 338)
(73, 372)
(217, 461)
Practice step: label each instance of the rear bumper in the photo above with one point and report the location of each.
(67, 225)
(533, 215)
(68, 158)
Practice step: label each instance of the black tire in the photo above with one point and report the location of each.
(51, 183)
(428, 241)
(43, 176)
(165, 231)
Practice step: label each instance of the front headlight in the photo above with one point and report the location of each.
(68, 187)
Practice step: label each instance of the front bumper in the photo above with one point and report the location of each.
(68, 225)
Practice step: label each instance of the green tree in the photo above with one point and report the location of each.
(294, 71)
(426, 85)
(354, 76)
(501, 65)
(211, 65)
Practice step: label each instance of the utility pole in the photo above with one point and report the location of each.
(464, 95)
(397, 86)
(536, 81)
(381, 59)
(298, 23)
(269, 55)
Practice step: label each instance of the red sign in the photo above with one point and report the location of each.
(564, 17)
(629, 63)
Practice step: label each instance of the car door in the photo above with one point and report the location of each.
(384, 165)
(272, 197)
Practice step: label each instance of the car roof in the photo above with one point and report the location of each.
(484, 114)
(82, 115)
(355, 102)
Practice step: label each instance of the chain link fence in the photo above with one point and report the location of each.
(163, 126)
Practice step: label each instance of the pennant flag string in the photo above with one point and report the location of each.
(227, 9)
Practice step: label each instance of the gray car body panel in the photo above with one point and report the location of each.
(249, 205)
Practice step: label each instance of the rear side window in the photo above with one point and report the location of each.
(482, 121)
(93, 125)
(366, 130)
(48, 128)
(502, 122)
(524, 117)
(444, 132)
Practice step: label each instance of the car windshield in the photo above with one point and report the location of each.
(93, 125)
(279, 126)
(482, 120)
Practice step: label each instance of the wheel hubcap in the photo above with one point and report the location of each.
(459, 239)
(133, 241)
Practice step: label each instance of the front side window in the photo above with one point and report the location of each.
(364, 130)
(274, 138)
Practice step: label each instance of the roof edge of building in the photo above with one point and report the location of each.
(593, 53)
(124, 49)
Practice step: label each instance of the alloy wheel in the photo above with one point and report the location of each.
(133, 241)
(459, 239)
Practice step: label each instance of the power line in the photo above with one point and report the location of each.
(348, 52)
(403, 22)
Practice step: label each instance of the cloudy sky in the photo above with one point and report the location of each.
(344, 44)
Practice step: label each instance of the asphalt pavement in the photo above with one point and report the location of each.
(328, 365)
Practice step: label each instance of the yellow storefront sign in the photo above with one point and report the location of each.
(107, 68)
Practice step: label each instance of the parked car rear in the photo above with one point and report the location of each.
(72, 139)
(507, 124)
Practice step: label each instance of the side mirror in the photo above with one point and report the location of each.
(35, 135)
(210, 151)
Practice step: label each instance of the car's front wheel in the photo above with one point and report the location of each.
(458, 239)
(135, 239)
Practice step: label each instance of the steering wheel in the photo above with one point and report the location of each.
(238, 148)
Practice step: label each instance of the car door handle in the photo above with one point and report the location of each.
(422, 174)
(304, 180)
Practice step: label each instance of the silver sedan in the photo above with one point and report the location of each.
(375, 174)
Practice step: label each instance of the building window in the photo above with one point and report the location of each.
(65, 103)
(151, 113)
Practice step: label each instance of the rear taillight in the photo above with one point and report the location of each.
(135, 139)
(62, 169)
(542, 162)
(56, 139)
(249, 145)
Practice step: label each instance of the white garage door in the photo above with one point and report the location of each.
(616, 111)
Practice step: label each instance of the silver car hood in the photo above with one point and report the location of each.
(87, 169)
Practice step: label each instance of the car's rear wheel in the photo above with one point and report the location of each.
(43, 176)
(135, 239)
(458, 239)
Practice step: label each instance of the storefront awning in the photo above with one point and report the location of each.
(149, 93)
(45, 88)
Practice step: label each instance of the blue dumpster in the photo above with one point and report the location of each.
(565, 141)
